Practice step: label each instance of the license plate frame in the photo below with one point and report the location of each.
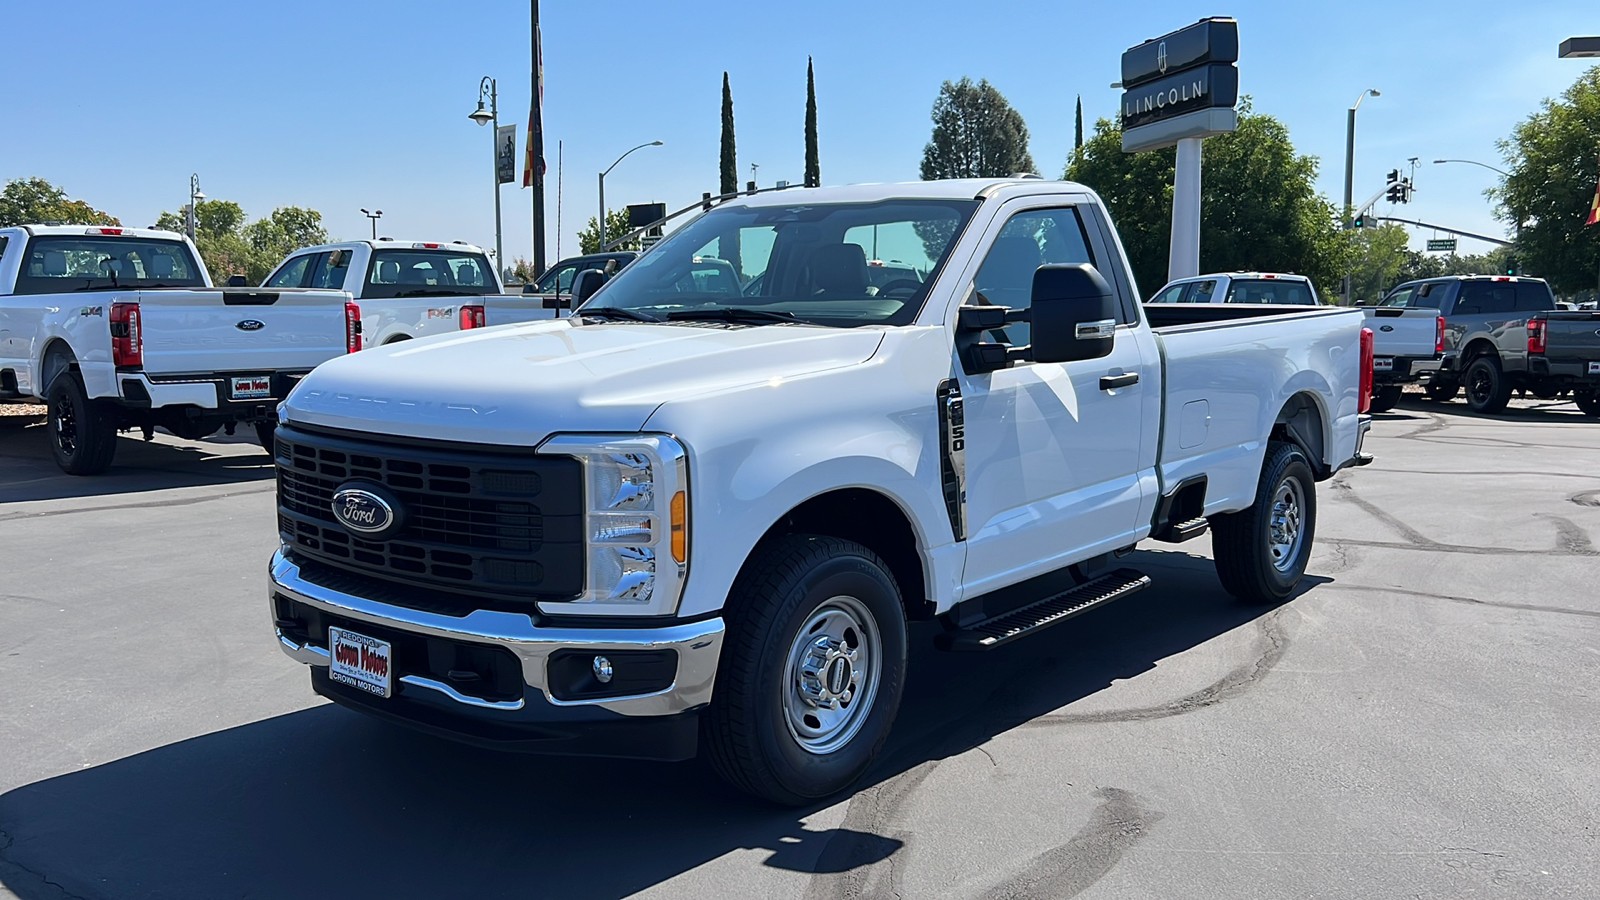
(250, 387)
(360, 661)
(1383, 364)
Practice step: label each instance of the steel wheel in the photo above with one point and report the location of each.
(832, 675)
(1284, 533)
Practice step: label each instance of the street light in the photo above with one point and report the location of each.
(1579, 48)
(374, 215)
(195, 196)
(488, 90)
(603, 175)
(1473, 162)
(1350, 168)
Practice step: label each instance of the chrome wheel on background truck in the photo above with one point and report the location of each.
(811, 671)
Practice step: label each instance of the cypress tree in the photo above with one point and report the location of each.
(813, 166)
(730, 166)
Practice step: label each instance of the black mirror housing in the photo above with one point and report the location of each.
(237, 281)
(1074, 314)
(586, 283)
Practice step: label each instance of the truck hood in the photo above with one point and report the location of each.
(518, 384)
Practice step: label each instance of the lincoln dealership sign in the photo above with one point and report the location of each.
(1181, 85)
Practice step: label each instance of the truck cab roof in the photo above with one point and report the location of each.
(96, 230)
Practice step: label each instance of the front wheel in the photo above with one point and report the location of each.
(1488, 388)
(83, 435)
(1261, 552)
(811, 672)
(1386, 397)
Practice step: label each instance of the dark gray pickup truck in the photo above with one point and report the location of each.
(1504, 334)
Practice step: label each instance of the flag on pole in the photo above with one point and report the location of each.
(1594, 207)
(533, 164)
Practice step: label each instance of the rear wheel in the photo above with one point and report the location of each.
(1589, 403)
(1488, 388)
(1442, 391)
(1385, 397)
(83, 433)
(811, 672)
(1261, 552)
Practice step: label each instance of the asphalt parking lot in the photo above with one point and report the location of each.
(1420, 722)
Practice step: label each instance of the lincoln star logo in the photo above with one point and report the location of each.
(251, 325)
(1161, 57)
(366, 511)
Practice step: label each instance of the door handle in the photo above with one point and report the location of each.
(1112, 382)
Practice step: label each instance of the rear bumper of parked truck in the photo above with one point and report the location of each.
(503, 680)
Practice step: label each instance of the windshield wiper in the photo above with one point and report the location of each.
(618, 312)
(732, 314)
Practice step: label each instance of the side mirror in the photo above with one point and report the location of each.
(530, 288)
(1074, 314)
(237, 281)
(586, 283)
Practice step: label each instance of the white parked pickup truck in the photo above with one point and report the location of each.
(683, 521)
(408, 289)
(1405, 342)
(118, 328)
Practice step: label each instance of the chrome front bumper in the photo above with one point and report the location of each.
(697, 644)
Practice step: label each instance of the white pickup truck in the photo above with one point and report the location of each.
(1406, 341)
(409, 289)
(680, 521)
(118, 328)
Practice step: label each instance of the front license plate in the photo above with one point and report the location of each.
(250, 387)
(1383, 364)
(1594, 368)
(360, 661)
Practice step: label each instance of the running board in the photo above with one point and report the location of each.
(1193, 528)
(1002, 629)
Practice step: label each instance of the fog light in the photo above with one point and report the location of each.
(602, 670)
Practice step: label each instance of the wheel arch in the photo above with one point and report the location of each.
(1304, 423)
(56, 357)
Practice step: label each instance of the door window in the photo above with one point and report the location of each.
(1173, 294)
(1204, 292)
(293, 272)
(1400, 296)
(1030, 239)
(1486, 298)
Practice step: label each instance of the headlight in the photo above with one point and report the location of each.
(636, 526)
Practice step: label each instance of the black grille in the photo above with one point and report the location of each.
(493, 529)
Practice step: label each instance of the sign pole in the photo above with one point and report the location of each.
(1184, 260)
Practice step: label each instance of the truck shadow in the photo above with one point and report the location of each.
(1522, 409)
(28, 472)
(326, 795)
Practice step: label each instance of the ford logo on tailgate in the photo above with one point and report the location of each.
(251, 325)
(367, 510)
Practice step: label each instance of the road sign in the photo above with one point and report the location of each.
(1439, 245)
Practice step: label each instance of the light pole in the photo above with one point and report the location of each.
(1350, 169)
(487, 89)
(1501, 172)
(195, 196)
(374, 215)
(602, 223)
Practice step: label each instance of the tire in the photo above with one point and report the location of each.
(1257, 561)
(1386, 396)
(266, 436)
(1589, 403)
(83, 434)
(1488, 388)
(1442, 391)
(764, 733)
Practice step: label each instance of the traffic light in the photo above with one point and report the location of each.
(1360, 222)
(1394, 176)
(1396, 193)
(1513, 266)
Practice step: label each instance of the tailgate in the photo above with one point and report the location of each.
(201, 332)
(1399, 331)
(1572, 337)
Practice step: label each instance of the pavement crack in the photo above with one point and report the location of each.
(1452, 548)
(1272, 642)
(154, 504)
(1346, 491)
(6, 862)
(1404, 592)
(851, 866)
(1119, 822)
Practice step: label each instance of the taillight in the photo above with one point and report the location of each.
(352, 328)
(1366, 369)
(127, 342)
(1438, 336)
(1536, 335)
(472, 317)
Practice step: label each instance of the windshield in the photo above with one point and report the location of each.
(809, 262)
(59, 264)
(422, 273)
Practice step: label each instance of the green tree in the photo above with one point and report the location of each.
(1376, 257)
(813, 162)
(616, 226)
(1260, 209)
(230, 245)
(1552, 159)
(976, 134)
(35, 201)
(520, 271)
(286, 230)
(1077, 126)
(728, 182)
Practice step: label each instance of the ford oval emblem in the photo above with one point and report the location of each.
(251, 325)
(366, 510)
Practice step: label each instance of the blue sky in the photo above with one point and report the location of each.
(343, 105)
